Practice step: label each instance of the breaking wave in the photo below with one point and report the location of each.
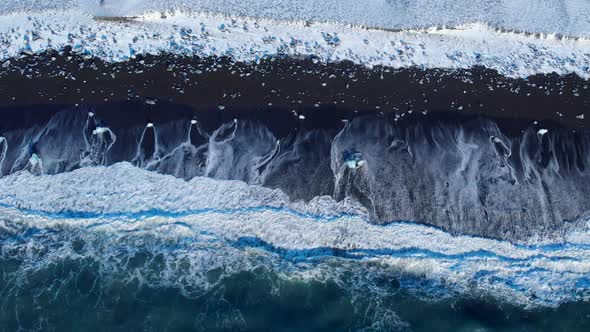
(212, 232)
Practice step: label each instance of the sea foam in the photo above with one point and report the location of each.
(122, 199)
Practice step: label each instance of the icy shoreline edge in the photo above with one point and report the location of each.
(515, 55)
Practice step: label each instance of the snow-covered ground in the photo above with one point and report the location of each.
(567, 17)
(249, 40)
(122, 199)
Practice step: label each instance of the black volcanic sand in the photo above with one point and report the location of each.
(218, 88)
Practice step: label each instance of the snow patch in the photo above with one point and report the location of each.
(250, 40)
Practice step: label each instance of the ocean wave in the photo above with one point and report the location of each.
(545, 273)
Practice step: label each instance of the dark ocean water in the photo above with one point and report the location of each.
(78, 280)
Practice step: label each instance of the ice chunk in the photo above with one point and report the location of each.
(35, 165)
(353, 159)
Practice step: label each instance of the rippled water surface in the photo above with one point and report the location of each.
(80, 278)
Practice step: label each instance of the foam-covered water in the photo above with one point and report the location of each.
(227, 219)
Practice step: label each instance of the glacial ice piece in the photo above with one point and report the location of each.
(351, 179)
(353, 159)
(35, 165)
